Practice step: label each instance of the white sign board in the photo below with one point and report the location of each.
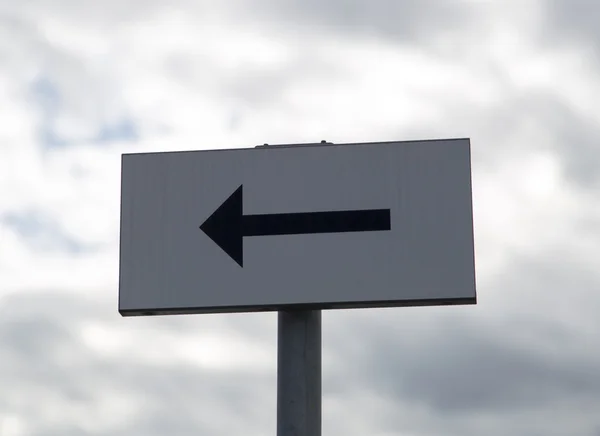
(315, 226)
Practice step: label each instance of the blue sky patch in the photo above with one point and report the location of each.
(46, 95)
(42, 232)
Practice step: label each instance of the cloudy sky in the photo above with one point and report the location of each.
(83, 81)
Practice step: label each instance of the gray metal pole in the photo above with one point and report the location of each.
(299, 373)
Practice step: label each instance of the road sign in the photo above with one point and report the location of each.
(317, 226)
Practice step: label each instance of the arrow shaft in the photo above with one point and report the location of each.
(316, 222)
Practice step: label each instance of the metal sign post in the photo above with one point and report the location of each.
(299, 373)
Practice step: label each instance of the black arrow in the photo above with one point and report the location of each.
(228, 225)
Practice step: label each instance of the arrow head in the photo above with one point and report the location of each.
(224, 226)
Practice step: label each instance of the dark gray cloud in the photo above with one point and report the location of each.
(402, 21)
(470, 370)
(471, 364)
(562, 129)
(46, 366)
(575, 138)
(253, 87)
(573, 22)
